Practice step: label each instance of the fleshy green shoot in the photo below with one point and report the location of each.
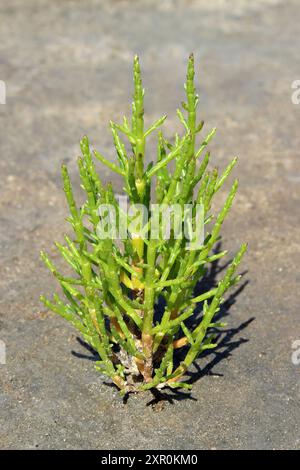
(132, 298)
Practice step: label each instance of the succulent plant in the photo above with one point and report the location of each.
(132, 296)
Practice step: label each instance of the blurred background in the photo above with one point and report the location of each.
(67, 70)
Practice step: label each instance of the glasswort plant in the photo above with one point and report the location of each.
(132, 298)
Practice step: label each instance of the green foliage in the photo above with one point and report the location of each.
(117, 285)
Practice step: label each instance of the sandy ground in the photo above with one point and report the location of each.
(67, 68)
